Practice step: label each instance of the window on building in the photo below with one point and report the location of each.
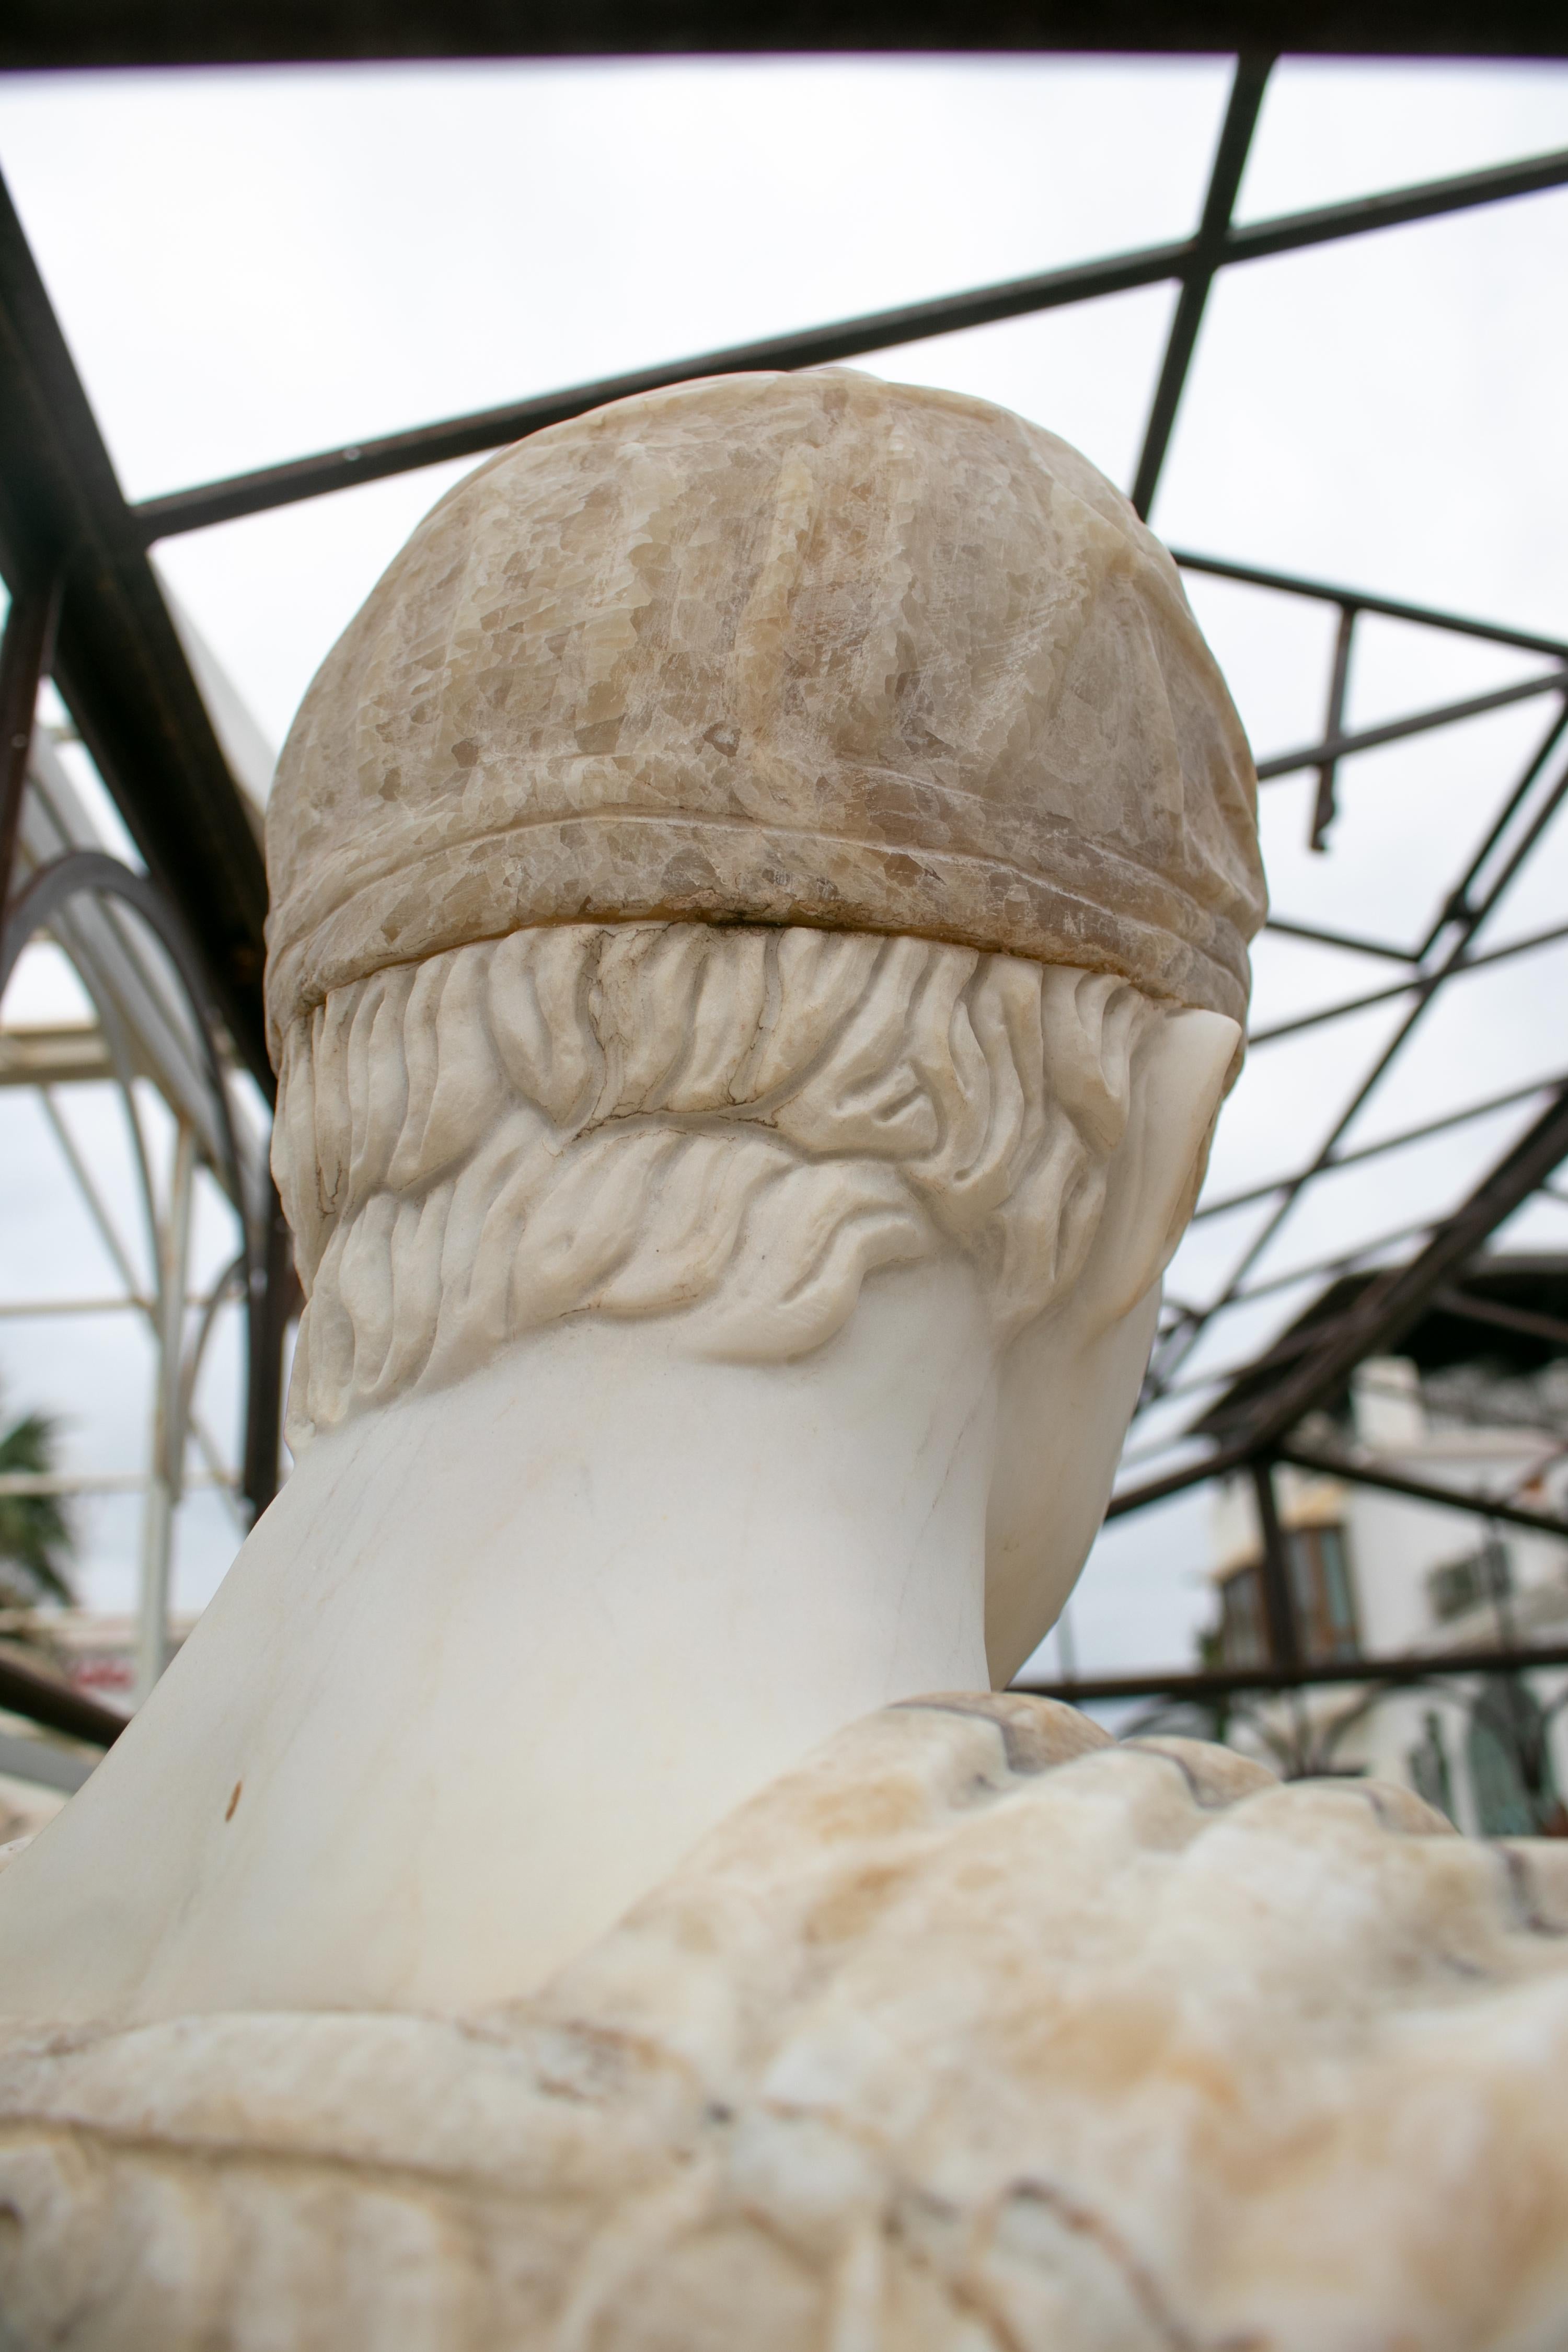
(1510, 1761)
(1461, 1584)
(1321, 1592)
(1242, 1628)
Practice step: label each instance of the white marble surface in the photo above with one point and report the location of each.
(504, 1648)
(974, 2033)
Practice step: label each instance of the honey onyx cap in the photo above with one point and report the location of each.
(801, 648)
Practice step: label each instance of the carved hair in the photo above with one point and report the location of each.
(635, 1120)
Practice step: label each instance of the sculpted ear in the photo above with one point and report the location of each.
(1071, 1378)
(1183, 1063)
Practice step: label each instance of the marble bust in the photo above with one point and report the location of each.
(761, 898)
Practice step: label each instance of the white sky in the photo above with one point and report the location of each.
(253, 264)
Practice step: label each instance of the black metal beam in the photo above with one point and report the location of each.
(118, 660)
(1279, 1603)
(25, 651)
(1395, 730)
(1503, 1317)
(1422, 982)
(1353, 1472)
(1466, 917)
(1324, 806)
(1346, 941)
(470, 436)
(1392, 1142)
(1324, 591)
(275, 1302)
(1233, 1682)
(1224, 1461)
(1389, 1305)
(41, 1699)
(1208, 256)
(55, 32)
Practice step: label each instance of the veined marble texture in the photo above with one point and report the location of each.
(803, 649)
(976, 2032)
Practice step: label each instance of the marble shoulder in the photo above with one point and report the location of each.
(977, 2031)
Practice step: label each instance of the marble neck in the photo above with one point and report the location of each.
(498, 1655)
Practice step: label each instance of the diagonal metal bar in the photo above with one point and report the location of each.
(42, 1698)
(1278, 1604)
(1224, 1461)
(119, 661)
(1345, 940)
(1501, 1317)
(25, 651)
(469, 436)
(1391, 1305)
(1456, 907)
(1426, 991)
(1324, 591)
(1235, 1681)
(1336, 747)
(1208, 255)
(1385, 1310)
(1451, 1118)
(1422, 981)
(1330, 1465)
(1323, 808)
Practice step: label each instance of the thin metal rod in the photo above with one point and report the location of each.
(275, 1301)
(1327, 1465)
(1456, 906)
(24, 1310)
(25, 649)
(1278, 1604)
(1426, 992)
(1208, 253)
(470, 436)
(1392, 1304)
(1393, 1142)
(1344, 1261)
(1426, 981)
(1346, 940)
(1389, 608)
(1335, 747)
(1226, 1460)
(41, 1699)
(1503, 1317)
(1333, 726)
(1229, 1682)
(97, 1207)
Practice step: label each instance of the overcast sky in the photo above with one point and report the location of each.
(252, 265)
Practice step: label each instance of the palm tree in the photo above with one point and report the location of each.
(35, 1540)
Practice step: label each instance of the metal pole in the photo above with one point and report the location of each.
(168, 1440)
(1279, 1606)
(1197, 277)
(25, 652)
(274, 1302)
(1333, 726)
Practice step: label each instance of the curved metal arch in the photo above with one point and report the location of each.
(94, 870)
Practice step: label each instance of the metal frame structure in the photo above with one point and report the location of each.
(53, 33)
(87, 609)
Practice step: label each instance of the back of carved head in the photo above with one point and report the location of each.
(746, 839)
(808, 649)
